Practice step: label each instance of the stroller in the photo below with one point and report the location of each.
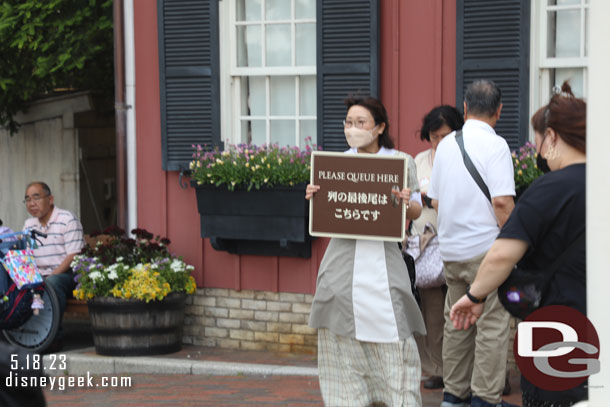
(21, 325)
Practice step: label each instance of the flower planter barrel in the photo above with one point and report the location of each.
(267, 221)
(132, 327)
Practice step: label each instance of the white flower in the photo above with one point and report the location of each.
(119, 259)
(95, 275)
(154, 266)
(76, 260)
(113, 275)
(177, 266)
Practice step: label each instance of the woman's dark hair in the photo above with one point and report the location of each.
(567, 115)
(439, 116)
(377, 110)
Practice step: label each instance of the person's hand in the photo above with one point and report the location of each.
(465, 313)
(404, 195)
(311, 190)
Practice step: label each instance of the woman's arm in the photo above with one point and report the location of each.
(494, 270)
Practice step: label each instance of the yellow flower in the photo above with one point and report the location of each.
(517, 162)
(247, 165)
(266, 179)
(234, 163)
(520, 172)
(225, 153)
(279, 161)
(219, 161)
(233, 183)
(209, 175)
(268, 166)
(192, 165)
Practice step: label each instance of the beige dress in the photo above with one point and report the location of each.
(367, 315)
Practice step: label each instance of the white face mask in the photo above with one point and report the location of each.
(358, 138)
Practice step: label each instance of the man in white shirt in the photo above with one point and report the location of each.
(474, 361)
(64, 241)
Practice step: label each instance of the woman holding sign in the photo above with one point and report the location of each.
(363, 306)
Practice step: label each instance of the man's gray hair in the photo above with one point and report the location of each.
(43, 185)
(483, 97)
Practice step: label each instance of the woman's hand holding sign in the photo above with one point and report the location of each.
(310, 190)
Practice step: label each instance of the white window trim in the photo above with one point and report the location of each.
(540, 65)
(230, 74)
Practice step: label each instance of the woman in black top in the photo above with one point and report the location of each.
(546, 220)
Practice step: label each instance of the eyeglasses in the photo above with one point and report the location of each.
(34, 197)
(359, 123)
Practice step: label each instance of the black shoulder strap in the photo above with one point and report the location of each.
(470, 166)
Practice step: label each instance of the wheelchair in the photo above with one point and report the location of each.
(20, 325)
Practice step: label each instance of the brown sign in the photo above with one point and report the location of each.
(355, 199)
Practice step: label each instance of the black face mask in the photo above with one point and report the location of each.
(542, 163)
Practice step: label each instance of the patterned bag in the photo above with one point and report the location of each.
(428, 263)
(22, 268)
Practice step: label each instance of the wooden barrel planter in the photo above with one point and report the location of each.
(133, 328)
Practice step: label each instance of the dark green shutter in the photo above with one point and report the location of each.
(493, 43)
(347, 62)
(189, 78)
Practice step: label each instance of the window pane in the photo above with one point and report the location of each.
(564, 34)
(248, 10)
(278, 10)
(279, 49)
(563, 2)
(305, 9)
(574, 75)
(307, 97)
(282, 96)
(253, 96)
(249, 50)
(308, 130)
(253, 132)
(306, 44)
(283, 132)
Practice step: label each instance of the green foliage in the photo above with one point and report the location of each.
(249, 166)
(526, 169)
(51, 45)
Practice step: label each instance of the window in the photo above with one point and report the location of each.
(261, 71)
(559, 49)
(270, 84)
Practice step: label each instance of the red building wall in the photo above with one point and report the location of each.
(417, 73)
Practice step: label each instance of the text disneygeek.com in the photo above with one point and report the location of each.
(15, 380)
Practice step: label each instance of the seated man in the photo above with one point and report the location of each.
(64, 239)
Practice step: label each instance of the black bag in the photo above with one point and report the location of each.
(410, 262)
(12, 393)
(18, 308)
(524, 289)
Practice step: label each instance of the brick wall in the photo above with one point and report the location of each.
(252, 320)
(260, 320)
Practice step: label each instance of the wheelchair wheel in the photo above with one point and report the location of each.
(39, 331)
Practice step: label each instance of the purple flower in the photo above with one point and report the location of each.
(524, 166)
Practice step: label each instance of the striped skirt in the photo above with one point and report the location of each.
(355, 373)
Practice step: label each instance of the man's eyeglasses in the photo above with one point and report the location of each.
(359, 123)
(34, 197)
